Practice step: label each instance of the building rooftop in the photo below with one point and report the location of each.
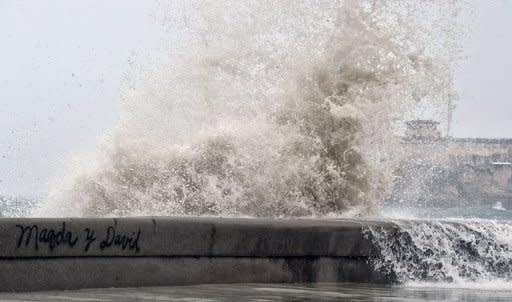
(502, 163)
(422, 124)
(499, 141)
(427, 130)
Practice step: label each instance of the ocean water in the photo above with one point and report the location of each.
(272, 292)
(489, 212)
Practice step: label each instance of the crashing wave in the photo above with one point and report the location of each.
(269, 109)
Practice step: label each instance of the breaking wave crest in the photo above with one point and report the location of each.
(280, 108)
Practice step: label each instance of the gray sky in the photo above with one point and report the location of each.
(61, 65)
(62, 62)
(483, 79)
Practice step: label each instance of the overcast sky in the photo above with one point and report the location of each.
(62, 62)
(484, 80)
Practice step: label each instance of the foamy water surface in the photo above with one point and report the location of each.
(273, 292)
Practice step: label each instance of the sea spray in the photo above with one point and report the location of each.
(271, 108)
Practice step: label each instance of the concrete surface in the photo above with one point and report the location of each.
(47, 254)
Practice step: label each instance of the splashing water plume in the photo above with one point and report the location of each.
(270, 108)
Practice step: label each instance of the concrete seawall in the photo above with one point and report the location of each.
(48, 254)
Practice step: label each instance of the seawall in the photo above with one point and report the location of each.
(71, 253)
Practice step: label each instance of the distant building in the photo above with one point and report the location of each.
(450, 171)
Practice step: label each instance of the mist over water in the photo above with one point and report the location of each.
(270, 109)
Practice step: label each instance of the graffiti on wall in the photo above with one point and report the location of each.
(35, 237)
